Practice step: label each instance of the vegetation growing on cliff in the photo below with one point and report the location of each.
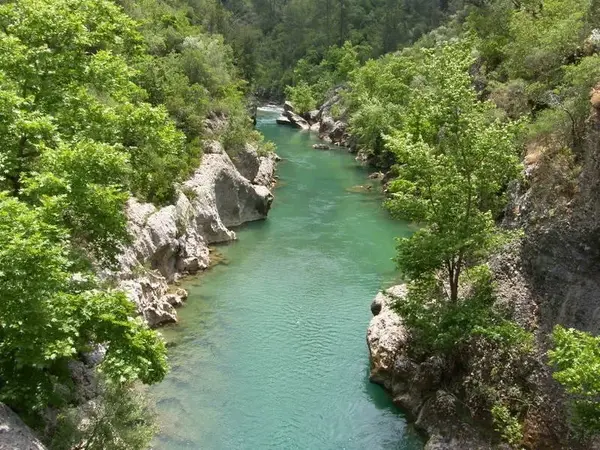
(576, 356)
(97, 103)
(425, 119)
(456, 158)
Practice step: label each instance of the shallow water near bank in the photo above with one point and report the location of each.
(270, 350)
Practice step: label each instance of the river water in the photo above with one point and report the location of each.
(270, 350)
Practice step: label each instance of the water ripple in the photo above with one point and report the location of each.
(270, 352)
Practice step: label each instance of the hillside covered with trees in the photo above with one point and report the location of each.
(449, 119)
(483, 116)
(269, 37)
(99, 101)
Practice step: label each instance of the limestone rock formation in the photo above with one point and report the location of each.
(173, 241)
(283, 120)
(14, 434)
(296, 120)
(289, 117)
(288, 107)
(414, 385)
(266, 171)
(246, 161)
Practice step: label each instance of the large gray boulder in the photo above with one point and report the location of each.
(296, 120)
(14, 434)
(326, 127)
(246, 161)
(173, 241)
(288, 107)
(283, 120)
(338, 133)
(266, 171)
(314, 116)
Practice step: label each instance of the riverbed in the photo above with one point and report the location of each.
(270, 350)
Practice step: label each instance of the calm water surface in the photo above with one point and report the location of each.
(270, 351)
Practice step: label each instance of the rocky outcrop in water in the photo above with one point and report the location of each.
(289, 117)
(14, 434)
(416, 385)
(332, 127)
(173, 241)
(547, 277)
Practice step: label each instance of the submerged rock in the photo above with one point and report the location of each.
(321, 146)
(377, 176)
(361, 188)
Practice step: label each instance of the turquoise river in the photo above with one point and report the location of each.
(270, 350)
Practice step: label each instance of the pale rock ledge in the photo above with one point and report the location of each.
(415, 385)
(173, 241)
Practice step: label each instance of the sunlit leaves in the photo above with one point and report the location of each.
(454, 160)
(576, 357)
(49, 314)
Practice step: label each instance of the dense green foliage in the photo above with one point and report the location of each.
(74, 127)
(101, 100)
(120, 420)
(441, 327)
(270, 37)
(455, 160)
(450, 117)
(50, 313)
(576, 356)
(98, 101)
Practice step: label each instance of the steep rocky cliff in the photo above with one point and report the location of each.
(550, 276)
(417, 386)
(173, 241)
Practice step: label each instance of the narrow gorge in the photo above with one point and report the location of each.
(269, 351)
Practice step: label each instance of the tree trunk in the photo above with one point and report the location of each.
(453, 290)
(453, 278)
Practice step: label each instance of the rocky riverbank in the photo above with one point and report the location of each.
(548, 277)
(331, 125)
(417, 386)
(173, 241)
(168, 243)
(14, 434)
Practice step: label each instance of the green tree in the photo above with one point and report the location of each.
(81, 187)
(66, 77)
(49, 314)
(541, 38)
(120, 419)
(301, 97)
(576, 359)
(455, 162)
